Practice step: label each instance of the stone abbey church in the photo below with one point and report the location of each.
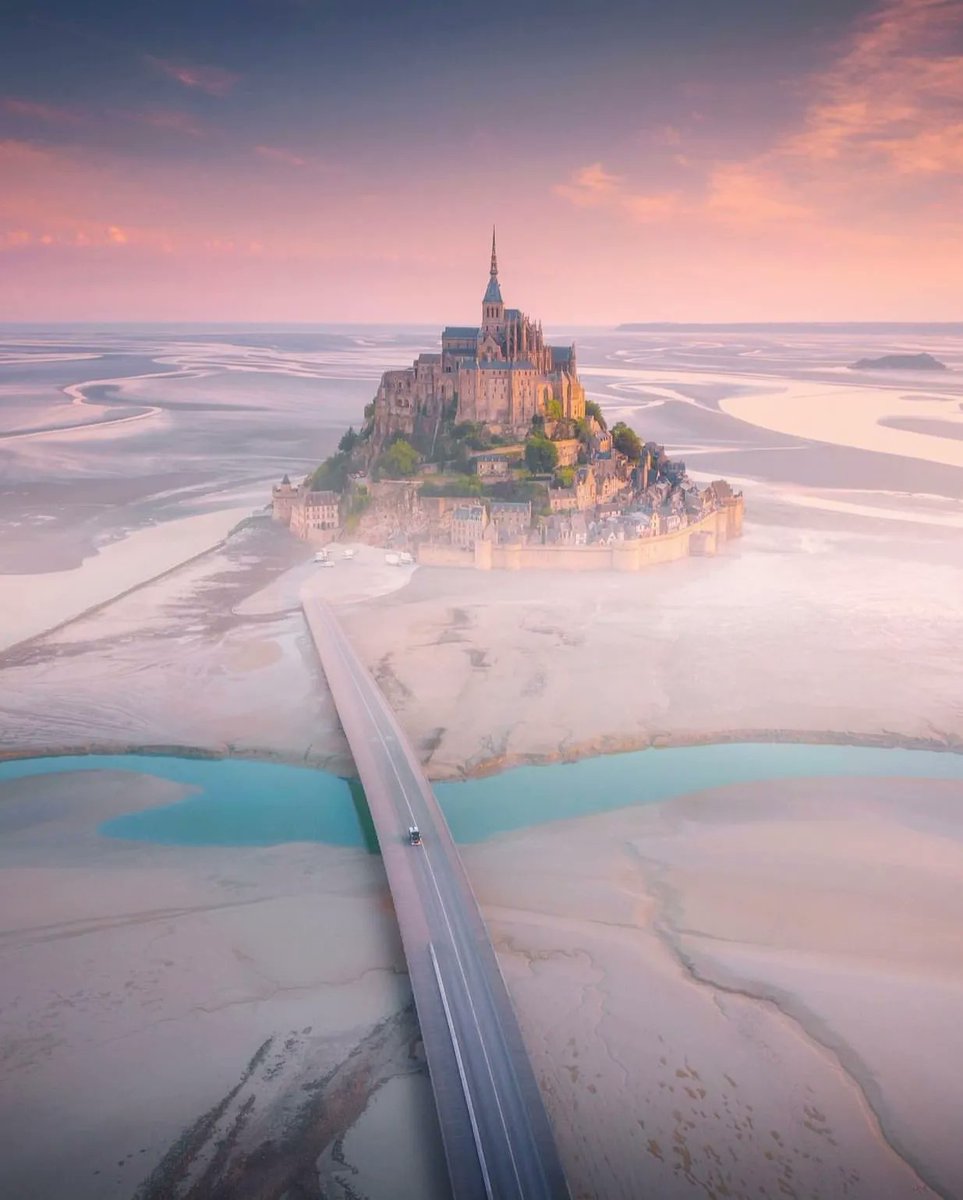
(500, 373)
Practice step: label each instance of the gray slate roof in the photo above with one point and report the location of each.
(493, 293)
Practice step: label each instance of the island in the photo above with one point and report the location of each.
(489, 455)
(899, 362)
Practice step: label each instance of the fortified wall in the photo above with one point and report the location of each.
(700, 539)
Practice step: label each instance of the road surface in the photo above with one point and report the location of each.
(498, 1141)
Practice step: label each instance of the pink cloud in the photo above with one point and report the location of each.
(280, 155)
(741, 194)
(595, 187)
(590, 187)
(892, 97)
(213, 80)
(173, 121)
(886, 109)
(40, 112)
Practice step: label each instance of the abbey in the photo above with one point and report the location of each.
(500, 373)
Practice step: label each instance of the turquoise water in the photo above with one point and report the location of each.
(245, 803)
(237, 802)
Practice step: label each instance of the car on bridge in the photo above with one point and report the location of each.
(414, 835)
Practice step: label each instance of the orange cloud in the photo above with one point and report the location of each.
(739, 193)
(213, 80)
(590, 186)
(893, 96)
(887, 109)
(594, 187)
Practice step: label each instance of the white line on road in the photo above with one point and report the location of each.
(338, 636)
(461, 1072)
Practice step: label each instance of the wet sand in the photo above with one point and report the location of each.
(151, 1010)
(748, 991)
(716, 992)
(34, 604)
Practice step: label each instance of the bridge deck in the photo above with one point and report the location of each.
(497, 1137)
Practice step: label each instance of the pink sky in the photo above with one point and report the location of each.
(848, 205)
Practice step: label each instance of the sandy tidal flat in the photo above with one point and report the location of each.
(749, 991)
(855, 416)
(32, 604)
(168, 1014)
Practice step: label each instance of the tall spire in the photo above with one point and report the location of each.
(493, 294)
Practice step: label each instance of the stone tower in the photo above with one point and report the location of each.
(493, 307)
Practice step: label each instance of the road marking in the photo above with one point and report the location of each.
(461, 1072)
(339, 638)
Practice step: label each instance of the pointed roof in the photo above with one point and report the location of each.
(493, 293)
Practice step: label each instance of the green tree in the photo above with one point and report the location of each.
(541, 456)
(332, 475)
(349, 441)
(553, 410)
(593, 410)
(565, 476)
(453, 485)
(399, 461)
(626, 441)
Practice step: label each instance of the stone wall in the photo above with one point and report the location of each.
(436, 554)
(707, 536)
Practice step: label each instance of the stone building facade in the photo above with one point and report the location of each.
(283, 496)
(500, 372)
(315, 514)
(511, 519)
(468, 525)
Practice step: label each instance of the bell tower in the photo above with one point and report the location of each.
(493, 307)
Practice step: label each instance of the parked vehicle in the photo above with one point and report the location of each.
(321, 556)
(392, 559)
(405, 558)
(414, 835)
(348, 553)
(328, 562)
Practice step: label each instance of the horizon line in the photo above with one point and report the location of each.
(614, 327)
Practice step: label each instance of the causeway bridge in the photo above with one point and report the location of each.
(496, 1133)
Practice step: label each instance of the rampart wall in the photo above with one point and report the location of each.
(707, 537)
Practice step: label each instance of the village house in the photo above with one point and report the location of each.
(468, 525)
(582, 495)
(562, 499)
(315, 514)
(511, 520)
(611, 477)
(601, 443)
(564, 529)
(491, 466)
